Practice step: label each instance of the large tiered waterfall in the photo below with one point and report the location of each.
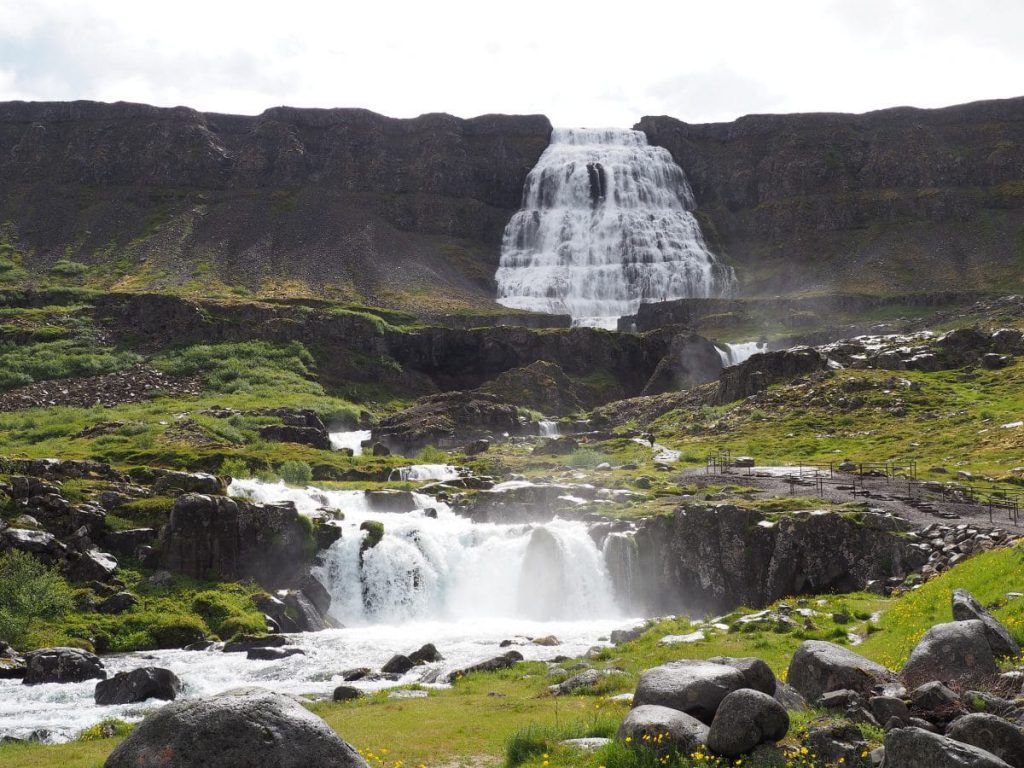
(605, 224)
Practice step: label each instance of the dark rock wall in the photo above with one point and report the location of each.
(376, 205)
(911, 198)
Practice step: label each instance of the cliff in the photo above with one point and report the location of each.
(344, 201)
(900, 199)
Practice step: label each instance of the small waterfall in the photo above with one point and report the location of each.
(548, 428)
(421, 473)
(622, 558)
(448, 567)
(353, 440)
(605, 225)
(734, 354)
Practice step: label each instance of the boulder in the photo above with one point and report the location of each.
(170, 483)
(884, 708)
(760, 371)
(756, 673)
(398, 664)
(235, 729)
(693, 687)
(585, 679)
(679, 731)
(744, 719)
(43, 545)
(558, 446)
(837, 743)
(991, 733)
(426, 654)
(504, 661)
(287, 433)
(118, 603)
(918, 748)
(540, 386)
(248, 642)
(305, 615)
(955, 652)
(446, 420)
(138, 685)
(818, 667)
(61, 665)
(272, 654)
(933, 698)
(788, 697)
(347, 693)
(967, 608)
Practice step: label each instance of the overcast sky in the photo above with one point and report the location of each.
(580, 63)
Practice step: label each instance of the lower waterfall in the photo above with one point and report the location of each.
(432, 564)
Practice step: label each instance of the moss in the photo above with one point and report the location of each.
(374, 533)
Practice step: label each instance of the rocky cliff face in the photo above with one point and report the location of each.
(374, 206)
(712, 559)
(911, 198)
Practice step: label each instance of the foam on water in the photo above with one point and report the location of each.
(353, 440)
(606, 223)
(734, 354)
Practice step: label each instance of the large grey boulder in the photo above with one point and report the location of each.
(991, 733)
(61, 665)
(138, 685)
(235, 729)
(744, 719)
(917, 748)
(955, 652)
(818, 667)
(684, 733)
(693, 687)
(757, 674)
(967, 608)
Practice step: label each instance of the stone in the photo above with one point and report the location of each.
(398, 664)
(693, 687)
(118, 603)
(547, 640)
(934, 697)
(788, 697)
(170, 483)
(305, 615)
(235, 729)
(958, 651)
(61, 665)
(138, 685)
(745, 719)
(504, 661)
(918, 748)
(92, 565)
(248, 642)
(684, 733)
(476, 447)
(620, 636)
(966, 607)
(756, 673)
(818, 667)
(40, 543)
(585, 679)
(272, 654)
(559, 446)
(991, 733)
(885, 708)
(836, 742)
(589, 744)
(347, 693)
(426, 654)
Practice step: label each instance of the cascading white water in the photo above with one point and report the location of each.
(734, 354)
(605, 225)
(446, 567)
(548, 428)
(352, 440)
(421, 473)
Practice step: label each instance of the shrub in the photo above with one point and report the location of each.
(296, 473)
(255, 367)
(235, 468)
(432, 455)
(29, 591)
(68, 268)
(177, 631)
(106, 729)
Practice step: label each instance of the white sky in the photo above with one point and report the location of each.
(580, 63)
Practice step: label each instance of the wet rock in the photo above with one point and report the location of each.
(426, 654)
(272, 654)
(305, 615)
(224, 730)
(684, 733)
(966, 608)
(958, 651)
(818, 667)
(138, 685)
(991, 733)
(248, 642)
(693, 687)
(918, 748)
(744, 719)
(398, 664)
(61, 665)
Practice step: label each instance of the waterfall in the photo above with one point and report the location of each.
(606, 223)
(436, 565)
(734, 354)
(353, 440)
(421, 473)
(622, 558)
(548, 428)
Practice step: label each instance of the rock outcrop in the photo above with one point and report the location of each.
(215, 537)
